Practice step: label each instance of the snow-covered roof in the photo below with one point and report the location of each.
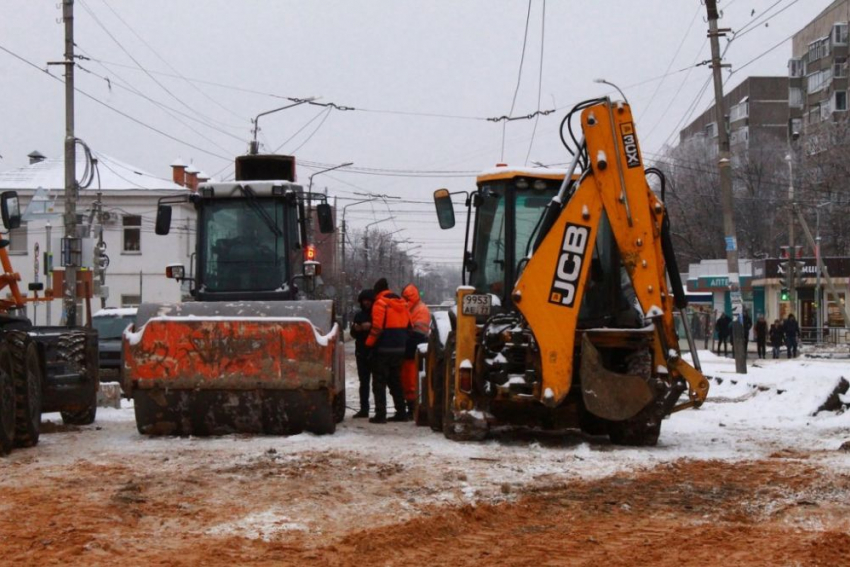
(115, 175)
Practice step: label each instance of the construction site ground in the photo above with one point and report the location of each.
(755, 477)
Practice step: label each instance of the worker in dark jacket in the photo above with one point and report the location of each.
(723, 326)
(777, 337)
(388, 338)
(360, 332)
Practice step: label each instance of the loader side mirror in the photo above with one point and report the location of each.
(11, 209)
(326, 218)
(163, 219)
(445, 208)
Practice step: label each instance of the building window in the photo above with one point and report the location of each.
(796, 126)
(130, 300)
(796, 68)
(18, 240)
(132, 233)
(834, 311)
(795, 97)
(740, 111)
(840, 101)
(711, 130)
(839, 69)
(839, 34)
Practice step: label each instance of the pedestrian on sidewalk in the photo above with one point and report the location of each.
(360, 332)
(388, 338)
(777, 337)
(420, 319)
(761, 336)
(723, 326)
(792, 333)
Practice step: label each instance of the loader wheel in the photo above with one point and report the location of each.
(28, 378)
(339, 406)
(436, 375)
(7, 400)
(643, 429)
(71, 348)
(323, 420)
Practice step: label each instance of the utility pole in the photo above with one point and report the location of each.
(725, 166)
(69, 293)
(792, 255)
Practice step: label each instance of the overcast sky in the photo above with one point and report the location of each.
(422, 76)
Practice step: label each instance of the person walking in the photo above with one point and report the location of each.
(723, 326)
(748, 324)
(360, 332)
(761, 336)
(388, 338)
(420, 319)
(777, 337)
(792, 332)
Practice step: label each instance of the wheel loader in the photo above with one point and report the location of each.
(42, 368)
(566, 318)
(250, 353)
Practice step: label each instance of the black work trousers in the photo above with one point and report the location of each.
(762, 347)
(364, 374)
(386, 373)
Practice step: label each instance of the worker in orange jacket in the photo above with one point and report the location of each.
(388, 339)
(420, 320)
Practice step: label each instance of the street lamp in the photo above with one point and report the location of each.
(254, 147)
(604, 82)
(366, 240)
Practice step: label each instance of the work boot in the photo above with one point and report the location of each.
(399, 416)
(378, 419)
(361, 414)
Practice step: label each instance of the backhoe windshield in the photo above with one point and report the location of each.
(245, 246)
(493, 253)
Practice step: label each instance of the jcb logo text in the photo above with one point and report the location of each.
(570, 262)
(630, 145)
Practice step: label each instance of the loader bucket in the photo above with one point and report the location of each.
(610, 395)
(249, 367)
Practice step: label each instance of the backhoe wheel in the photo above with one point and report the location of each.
(435, 376)
(339, 406)
(71, 348)
(7, 400)
(643, 429)
(28, 378)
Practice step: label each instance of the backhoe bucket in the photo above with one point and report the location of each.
(610, 395)
(246, 367)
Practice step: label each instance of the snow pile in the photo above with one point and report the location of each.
(259, 525)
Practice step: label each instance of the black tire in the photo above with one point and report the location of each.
(449, 389)
(436, 374)
(643, 429)
(71, 348)
(7, 400)
(322, 421)
(339, 406)
(28, 377)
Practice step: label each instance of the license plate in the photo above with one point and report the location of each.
(476, 304)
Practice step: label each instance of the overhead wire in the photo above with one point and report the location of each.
(519, 77)
(539, 81)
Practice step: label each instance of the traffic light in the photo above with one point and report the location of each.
(784, 270)
(784, 295)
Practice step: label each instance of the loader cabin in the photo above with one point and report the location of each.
(508, 206)
(251, 234)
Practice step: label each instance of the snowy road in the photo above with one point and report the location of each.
(96, 494)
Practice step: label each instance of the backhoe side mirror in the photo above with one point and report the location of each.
(326, 218)
(11, 209)
(163, 219)
(445, 208)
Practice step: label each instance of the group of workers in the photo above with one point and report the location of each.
(387, 331)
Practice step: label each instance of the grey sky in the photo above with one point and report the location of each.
(437, 57)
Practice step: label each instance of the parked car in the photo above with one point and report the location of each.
(110, 324)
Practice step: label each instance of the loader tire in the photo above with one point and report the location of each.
(71, 348)
(323, 420)
(436, 374)
(643, 429)
(28, 376)
(7, 400)
(339, 406)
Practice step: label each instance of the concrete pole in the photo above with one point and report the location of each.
(69, 292)
(792, 253)
(725, 166)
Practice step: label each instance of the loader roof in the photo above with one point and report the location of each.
(509, 172)
(261, 188)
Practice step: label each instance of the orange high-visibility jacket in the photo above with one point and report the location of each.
(420, 315)
(390, 324)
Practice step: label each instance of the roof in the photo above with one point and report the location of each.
(507, 172)
(115, 175)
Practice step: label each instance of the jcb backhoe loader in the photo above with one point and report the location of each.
(567, 320)
(251, 354)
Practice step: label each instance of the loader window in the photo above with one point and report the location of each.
(490, 250)
(241, 251)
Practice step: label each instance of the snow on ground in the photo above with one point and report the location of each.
(746, 417)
